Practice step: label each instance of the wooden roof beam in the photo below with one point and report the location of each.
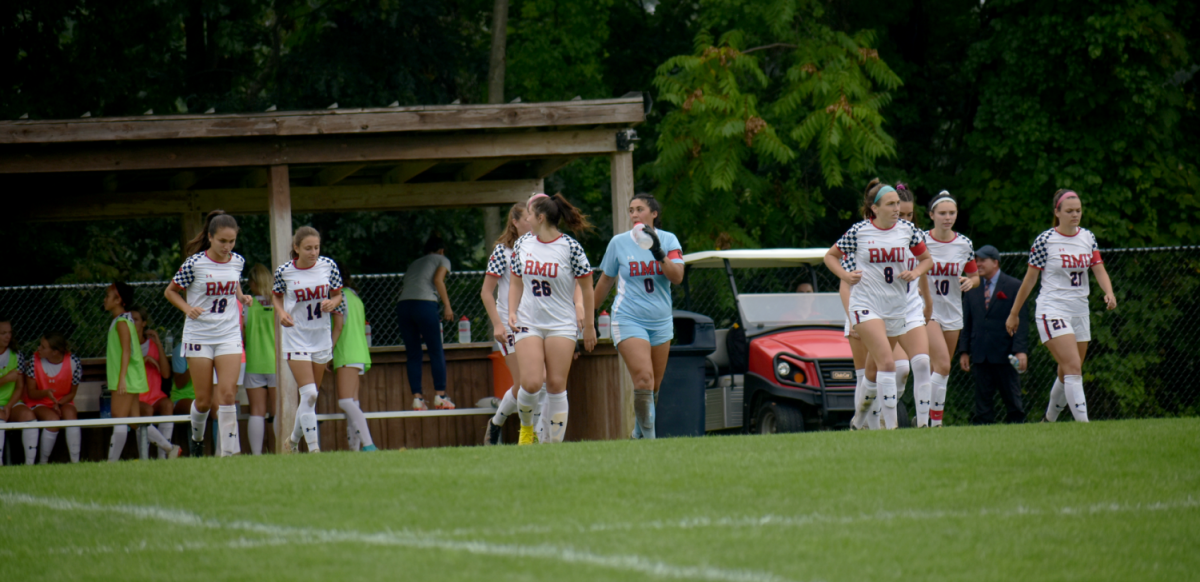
(407, 171)
(334, 174)
(480, 168)
(304, 199)
(183, 155)
(546, 167)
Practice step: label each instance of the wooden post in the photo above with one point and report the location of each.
(279, 207)
(190, 224)
(493, 225)
(622, 193)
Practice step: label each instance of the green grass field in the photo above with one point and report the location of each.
(1108, 500)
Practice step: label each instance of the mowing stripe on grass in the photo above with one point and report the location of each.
(821, 518)
(409, 539)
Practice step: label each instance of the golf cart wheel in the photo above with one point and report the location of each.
(773, 417)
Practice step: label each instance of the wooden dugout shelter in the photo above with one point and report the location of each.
(389, 158)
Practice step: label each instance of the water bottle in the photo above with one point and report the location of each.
(640, 237)
(367, 328)
(1016, 363)
(105, 402)
(464, 330)
(169, 343)
(602, 327)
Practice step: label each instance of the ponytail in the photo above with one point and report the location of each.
(509, 237)
(556, 209)
(654, 206)
(302, 233)
(869, 198)
(214, 222)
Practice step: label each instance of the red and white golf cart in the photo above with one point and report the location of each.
(799, 371)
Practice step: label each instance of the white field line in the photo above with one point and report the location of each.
(408, 539)
(240, 543)
(786, 521)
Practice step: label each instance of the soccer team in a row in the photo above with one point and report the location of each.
(902, 288)
(888, 267)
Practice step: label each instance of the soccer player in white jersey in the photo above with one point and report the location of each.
(953, 273)
(1062, 257)
(212, 333)
(920, 309)
(307, 289)
(879, 282)
(547, 267)
(642, 325)
(495, 301)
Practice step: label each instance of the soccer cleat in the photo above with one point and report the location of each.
(419, 404)
(195, 448)
(175, 452)
(492, 434)
(528, 436)
(442, 403)
(290, 446)
(314, 449)
(370, 449)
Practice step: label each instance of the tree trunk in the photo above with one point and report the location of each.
(499, 42)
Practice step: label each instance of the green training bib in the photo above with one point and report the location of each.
(260, 338)
(135, 374)
(352, 344)
(6, 390)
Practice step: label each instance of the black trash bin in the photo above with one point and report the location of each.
(680, 408)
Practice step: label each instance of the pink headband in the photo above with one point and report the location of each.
(535, 196)
(1064, 197)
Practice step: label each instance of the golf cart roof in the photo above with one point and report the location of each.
(755, 258)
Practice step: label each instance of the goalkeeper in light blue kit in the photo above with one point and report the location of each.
(642, 326)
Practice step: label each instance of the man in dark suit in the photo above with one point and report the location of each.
(985, 344)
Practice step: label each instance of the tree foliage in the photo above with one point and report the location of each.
(773, 111)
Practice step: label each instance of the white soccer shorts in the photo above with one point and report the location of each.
(1052, 326)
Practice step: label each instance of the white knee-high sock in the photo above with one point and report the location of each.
(355, 416)
(167, 429)
(557, 410)
(117, 445)
(870, 400)
(49, 437)
(1058, 400)
(937, 402)
(257, 427)
(1073, 386)
(158, 438)
(526, 403)
(306, 418)
(352, 440)
(508, 405)
(29, 437)
(902, 369)
(887, 394)
(199, 420)
(74, 438)
(922, 387)
(860, 395)
(231, 437)
(2, 432)
(539, 419)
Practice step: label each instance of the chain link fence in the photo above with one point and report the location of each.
(77, 311)
(1142, 360)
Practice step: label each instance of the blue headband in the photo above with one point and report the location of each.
(881, 192)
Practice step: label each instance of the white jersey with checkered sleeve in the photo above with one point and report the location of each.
(951, 259)
(547, 271)
(881, 255)
(212, 287)
(302, 291)
(500, 266)
(915, 301)
(1064, 262)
